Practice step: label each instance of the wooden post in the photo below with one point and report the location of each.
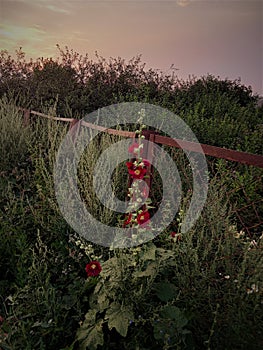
(26, 119)
(148, 154)
(74, 129)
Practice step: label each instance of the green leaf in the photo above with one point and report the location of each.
(165, 254)
(149, 254)
(118, 317)
(93, 336)
(149, 271)
(103, 301)
(90, 333)
(174, 313)
(70, 347)
(108, 267)
(90, 319)
(165, 291)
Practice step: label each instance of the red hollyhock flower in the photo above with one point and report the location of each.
(93, 269)
(133, 147)
(146, 162)
(130, 165)
(128, 221)
(143, 217)
(176, 236)
(137, 173)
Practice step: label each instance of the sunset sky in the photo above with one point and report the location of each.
(223, 38)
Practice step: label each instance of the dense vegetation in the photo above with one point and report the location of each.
(220, 112)
(201, 290)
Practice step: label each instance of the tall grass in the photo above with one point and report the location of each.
(202, 290)
(14, 136)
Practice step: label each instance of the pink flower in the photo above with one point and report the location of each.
(93, 269)
(133, 148)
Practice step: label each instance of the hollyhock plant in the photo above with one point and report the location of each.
(138, 169)
(93, 268)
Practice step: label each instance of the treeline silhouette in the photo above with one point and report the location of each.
(221, 112)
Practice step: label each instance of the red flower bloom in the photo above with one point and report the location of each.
(93, 269)
(143, 217)
(128, 221)
(137, 173)
(176, 236)
(130, 165)
(146, 162)
(133, 147)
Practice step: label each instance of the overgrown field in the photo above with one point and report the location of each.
(199, 290)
